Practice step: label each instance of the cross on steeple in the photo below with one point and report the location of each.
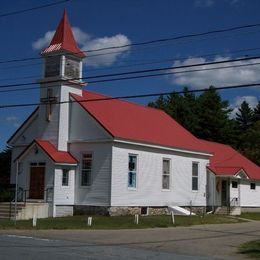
(49, 101)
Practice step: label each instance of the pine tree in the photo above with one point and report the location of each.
(5, 166)
(250, 141)
(245, 116)
(213, 116)
(257, 112)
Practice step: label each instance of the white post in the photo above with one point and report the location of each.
(16, 191)
(34, 218)
(89, 221)
(173, 219)
(136, 219)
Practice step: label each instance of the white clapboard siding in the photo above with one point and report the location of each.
(24, 175)
(83, 126)
(64, 195)
(211, 189)
(62, 211)
(250, 198)
(27, 132)
(234, 192)
(149, 178)
(98, 194)
(63, 135)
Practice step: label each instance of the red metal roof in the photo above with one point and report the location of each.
(130, 121)
(54, 154)
(227, 161)
(63, 39)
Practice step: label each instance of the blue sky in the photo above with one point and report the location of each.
(104, 23)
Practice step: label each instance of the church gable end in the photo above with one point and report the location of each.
(83, 127)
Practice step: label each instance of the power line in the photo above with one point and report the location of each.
(140, 76)
(139, 64)
(216, 31)
(134, 72)
(134, 96)
(33, 8)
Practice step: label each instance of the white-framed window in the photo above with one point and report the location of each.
(65, 177)
(252, 185)
(234, 184)
(195, 176)
(166, 174)
(86, 169)
(132, 170)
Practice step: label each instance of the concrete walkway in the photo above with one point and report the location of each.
(214, 241)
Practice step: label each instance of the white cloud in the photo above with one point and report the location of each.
(217, 77)
(106, 57)
(204, 3)
(44, 41)
(251, 100)
(12, 120)
(87, 42)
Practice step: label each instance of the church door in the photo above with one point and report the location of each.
(224, 192)
(37, 183)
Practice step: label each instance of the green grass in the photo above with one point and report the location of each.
(251, 215)
(251, 249)
(126, 222)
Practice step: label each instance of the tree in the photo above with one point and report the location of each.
(250, 141)
(180, 107)
(5, 166)
(245, 116)
(257, 112)
(213, 115)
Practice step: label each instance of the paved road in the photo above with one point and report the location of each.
(31, 248)
(197, 242)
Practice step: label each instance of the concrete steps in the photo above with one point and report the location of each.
(228, 211)
(222, 210)
(7, 209)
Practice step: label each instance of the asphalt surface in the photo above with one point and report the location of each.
(196, 242)
(31, 248)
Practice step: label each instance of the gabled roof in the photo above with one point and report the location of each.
(130, 121)
(63, 39)
(56, 156)
(227, 161)
(23, 125)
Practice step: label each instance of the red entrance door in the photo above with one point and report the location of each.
(37, 183)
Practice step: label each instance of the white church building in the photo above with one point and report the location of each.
(81, 151)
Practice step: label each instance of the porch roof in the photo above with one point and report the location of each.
(227, 161)
(225, 171)
(55, 155)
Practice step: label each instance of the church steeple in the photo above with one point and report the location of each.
(63, 39)
(63, 58)
(62, 76)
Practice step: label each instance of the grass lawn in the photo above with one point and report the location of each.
(251, 249)
(126, 222)
(251, 215)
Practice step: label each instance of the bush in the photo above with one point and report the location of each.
(6, 195)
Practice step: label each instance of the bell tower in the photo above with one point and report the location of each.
(62, 75)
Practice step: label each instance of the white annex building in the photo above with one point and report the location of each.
(81, 151)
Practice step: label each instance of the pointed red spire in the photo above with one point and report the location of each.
(63, 39)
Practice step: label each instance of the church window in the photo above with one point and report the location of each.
(166, 174)
(86, 170)
(72, 68)
(132, 170)
(252, 185)
(65, 177)
(52, 66)
(195, 176)
(234, 184)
